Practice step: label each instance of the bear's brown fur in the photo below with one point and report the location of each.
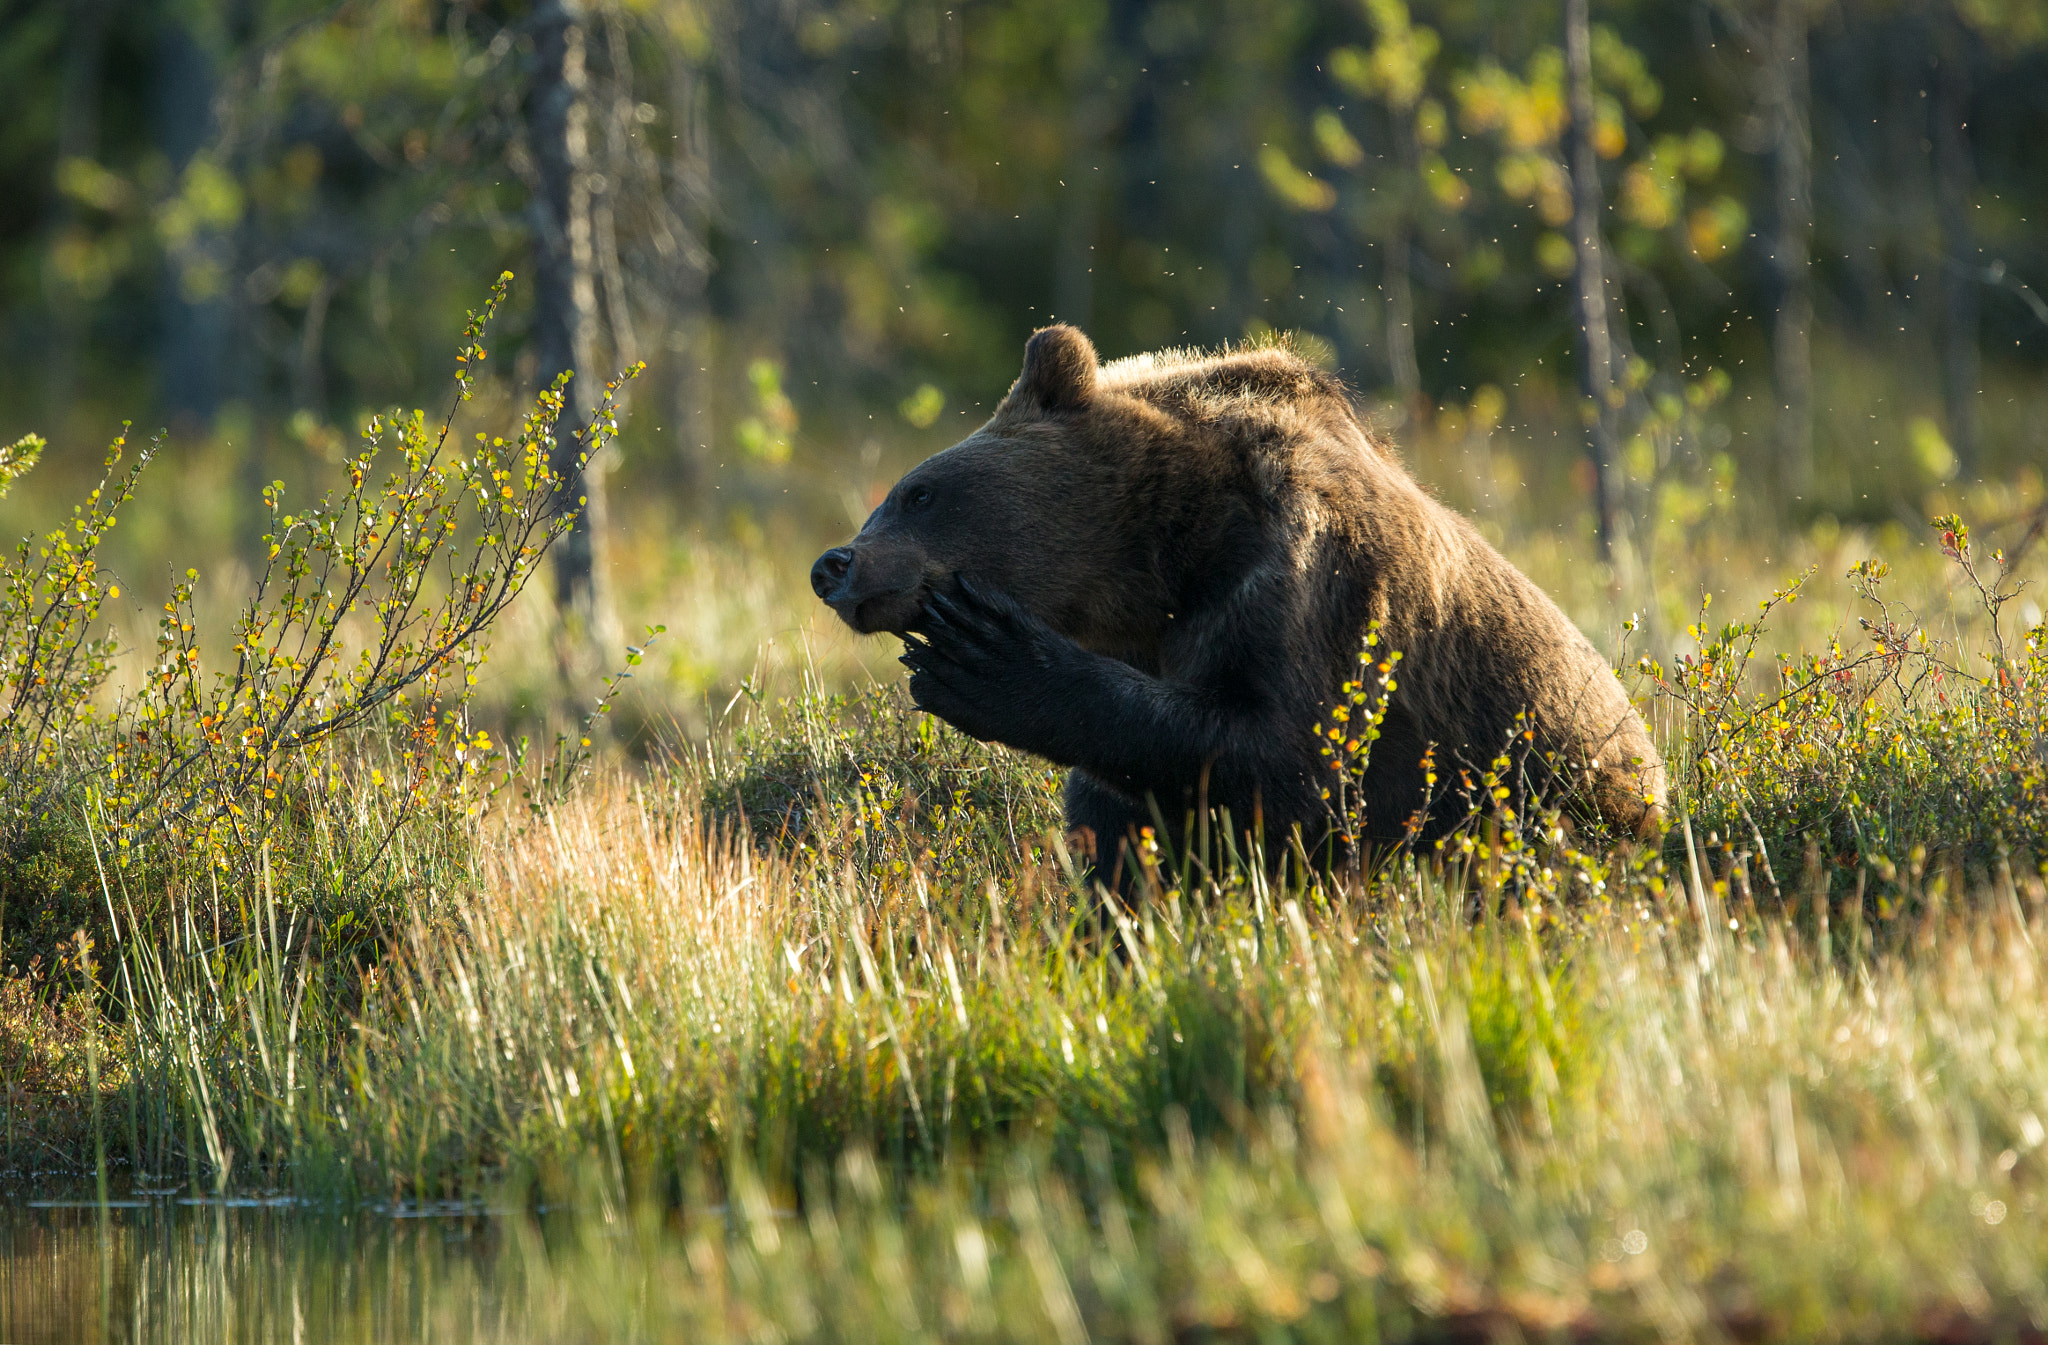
(1158, 572)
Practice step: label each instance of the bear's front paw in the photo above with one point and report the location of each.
(982, 663)
(942, 688)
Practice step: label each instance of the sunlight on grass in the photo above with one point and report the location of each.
(803, 1027)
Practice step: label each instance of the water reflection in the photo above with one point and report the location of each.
(155, 1265)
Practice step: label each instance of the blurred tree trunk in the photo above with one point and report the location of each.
(1589, 279)
(1142, 140)
(689, 202)
(619, 120)
(78, 137)
(309, 380)
(565, 295)
(1074, 263)
(1097, 66)
(193, 316)
(1398, 264)
(1955, 175)
(1399, 284)
(1787, 98)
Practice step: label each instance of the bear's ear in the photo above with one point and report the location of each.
(1059, 371)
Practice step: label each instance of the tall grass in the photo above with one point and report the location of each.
(810, 1032)
(776, 1091)
(863, 1069)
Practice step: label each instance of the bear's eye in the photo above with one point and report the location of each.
(918, 498)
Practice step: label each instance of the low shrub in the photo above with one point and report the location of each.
(1896, 752)
(324, 740)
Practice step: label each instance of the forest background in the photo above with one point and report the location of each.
(827, 228)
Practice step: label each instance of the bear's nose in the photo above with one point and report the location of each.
(829, 572)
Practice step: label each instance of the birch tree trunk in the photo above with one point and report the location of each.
(689, 337)
(1397, 265)
(1788, 98)
(565, 298)
(1589, 278)
(1959, 266)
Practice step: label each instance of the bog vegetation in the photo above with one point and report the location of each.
(772, 1004)
(813, 1031)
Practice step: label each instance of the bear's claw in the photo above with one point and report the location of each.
(978, 660)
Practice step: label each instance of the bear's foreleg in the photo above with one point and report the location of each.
(996, 672)
(1111, 823)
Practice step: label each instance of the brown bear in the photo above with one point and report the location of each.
(1159, 571)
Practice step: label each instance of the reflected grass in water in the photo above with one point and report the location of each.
(157, 1266)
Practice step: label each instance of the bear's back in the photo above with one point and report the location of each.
(1483, 642)
(1268, 384)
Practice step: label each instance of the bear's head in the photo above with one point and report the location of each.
(1020, 504)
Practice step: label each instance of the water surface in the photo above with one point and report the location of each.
(157, 1264)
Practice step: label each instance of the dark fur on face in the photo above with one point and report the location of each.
(1158, 572)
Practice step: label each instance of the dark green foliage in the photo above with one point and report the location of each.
(49, 891)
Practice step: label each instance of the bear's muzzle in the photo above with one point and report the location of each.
(829, 571)
(872, 588)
